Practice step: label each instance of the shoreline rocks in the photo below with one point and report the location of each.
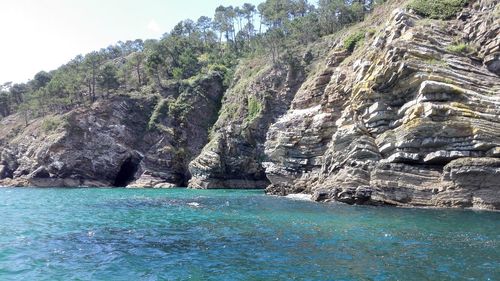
(403, 120)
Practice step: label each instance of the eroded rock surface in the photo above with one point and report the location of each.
(401, 121)
(407, 119)
(233, 157)
(113, 143)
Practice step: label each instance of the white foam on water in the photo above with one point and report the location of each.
(301, 197)
(194, 204)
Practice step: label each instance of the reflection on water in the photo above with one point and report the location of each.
(118, 234)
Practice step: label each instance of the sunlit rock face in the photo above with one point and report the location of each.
(406, 119)
(401, 121)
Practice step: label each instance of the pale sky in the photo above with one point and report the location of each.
(44, 34)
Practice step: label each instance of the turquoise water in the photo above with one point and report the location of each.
(119, 234)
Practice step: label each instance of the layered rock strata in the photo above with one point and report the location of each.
(411, 117)
(404, 120)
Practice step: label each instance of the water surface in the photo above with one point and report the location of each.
(119, 234)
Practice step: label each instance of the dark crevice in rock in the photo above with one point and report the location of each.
(184, 181)
(126, 175)
(5, 172)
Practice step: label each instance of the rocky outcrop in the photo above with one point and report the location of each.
(181, 128)
(233, 157)
(394, 123)
(129, 140)
(404, 120)
(85, 147)
(411, 117)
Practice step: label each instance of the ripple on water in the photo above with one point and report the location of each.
(235, 235)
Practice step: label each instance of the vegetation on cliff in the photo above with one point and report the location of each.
(190, 49)
(442, 9)
(308, 100)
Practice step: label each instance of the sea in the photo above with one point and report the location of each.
(183, 234)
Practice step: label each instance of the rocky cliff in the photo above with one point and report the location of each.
(134, 140)
(405, 120)
(410, 117)
(233, 157)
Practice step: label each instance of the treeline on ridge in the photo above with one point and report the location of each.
(190, 49)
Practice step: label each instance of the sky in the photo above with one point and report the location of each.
(45, 34)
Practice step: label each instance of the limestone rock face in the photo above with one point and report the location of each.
(113, 143)
(401, 121)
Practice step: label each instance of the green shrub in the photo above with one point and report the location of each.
(160, 110)
(177, 73)
(254, 108)
(217, 67)
(228, 77)
(437, 9)
(179, 108)
(51, 123)
(228, 73)
(460, 48)
(353, 40)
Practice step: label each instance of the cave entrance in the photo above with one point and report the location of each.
(126, 175)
